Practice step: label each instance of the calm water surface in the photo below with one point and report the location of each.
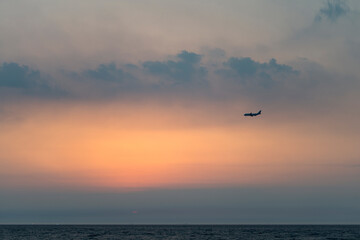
(254, 232)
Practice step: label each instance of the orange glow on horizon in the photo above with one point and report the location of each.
(99, 148)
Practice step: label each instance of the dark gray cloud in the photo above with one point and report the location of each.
(248, 71)
(182, 73)
(20, 78)
(185, 76)
(333, 10)
(187, 69)
(248, 67)
(13, 75)
(108, 72)
(185, 72)
(105, 81)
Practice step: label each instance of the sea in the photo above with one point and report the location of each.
(149, 232)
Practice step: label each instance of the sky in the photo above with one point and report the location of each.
(131, 112)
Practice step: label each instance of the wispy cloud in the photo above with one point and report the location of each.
(333, 10)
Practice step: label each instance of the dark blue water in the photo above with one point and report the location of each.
(254, 232)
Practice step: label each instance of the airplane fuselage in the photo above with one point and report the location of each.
(252, 114)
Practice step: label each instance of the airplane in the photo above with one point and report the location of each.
(252, 114)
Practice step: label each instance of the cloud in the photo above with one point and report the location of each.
(105, 81)
(183, 71)
(333, 10)
(247, 70)
(248, 67)
(243, 66)
(186, 69)
(30, 82)
(185, 76)
(13, 75)
(107, 72)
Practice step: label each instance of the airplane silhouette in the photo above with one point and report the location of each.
(252, 114)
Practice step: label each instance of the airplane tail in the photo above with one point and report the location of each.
(259, 112)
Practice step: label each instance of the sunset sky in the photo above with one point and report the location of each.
(132, 111)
